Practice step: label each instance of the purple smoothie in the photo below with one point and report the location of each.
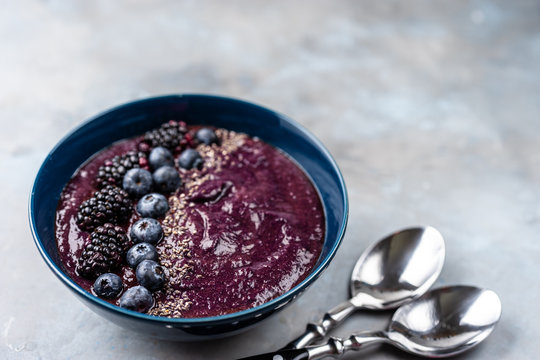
(244, 229)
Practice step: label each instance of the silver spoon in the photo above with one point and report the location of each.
(444, 322)
(389, 273)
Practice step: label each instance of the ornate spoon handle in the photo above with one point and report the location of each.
(318, 330)
(333, 348)
(287, 354)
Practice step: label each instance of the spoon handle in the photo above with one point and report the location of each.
(333, 348)
(291, 354)
(318, 330)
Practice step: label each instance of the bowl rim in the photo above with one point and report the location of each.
(239, 315)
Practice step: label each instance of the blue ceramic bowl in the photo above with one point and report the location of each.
(136, 118)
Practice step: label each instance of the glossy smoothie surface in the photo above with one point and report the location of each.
(244, 229)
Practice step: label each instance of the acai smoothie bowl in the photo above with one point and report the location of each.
(188, 217)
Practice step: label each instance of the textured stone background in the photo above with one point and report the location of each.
(431, 109)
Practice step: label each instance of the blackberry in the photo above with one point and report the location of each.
(113, 171)
(108, 244)
(108, 205)
(167, 135)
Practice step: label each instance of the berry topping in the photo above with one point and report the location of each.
(152, 205)
(144, 147)
(108, 286)
(166, 179)
(188, 141)
(206, 136)
(140, 252)
(167, 135)
(137, 298)
(159, 157)
(189, 159)
(137, 182)
(151, 275)
(113, 171)
(108, 244)
(108, 205)
(146, 230)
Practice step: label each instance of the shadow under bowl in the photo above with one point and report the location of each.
(139, 116)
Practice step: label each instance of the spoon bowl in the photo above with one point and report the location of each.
(445, 322)
(397, 269)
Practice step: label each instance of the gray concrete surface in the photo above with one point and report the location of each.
(431, 108)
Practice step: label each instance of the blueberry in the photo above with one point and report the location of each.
(152, 205)
(150, 274)
(206, 136)
(146, 230)
(190, 159)
(137, 182)
(159, 157)
(140, 252)
(137, 298)
(108, 286)
(166, 179)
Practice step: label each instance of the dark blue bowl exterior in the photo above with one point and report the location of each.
(137, 117)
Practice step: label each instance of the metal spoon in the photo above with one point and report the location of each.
(444, 322)
(389, 273)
